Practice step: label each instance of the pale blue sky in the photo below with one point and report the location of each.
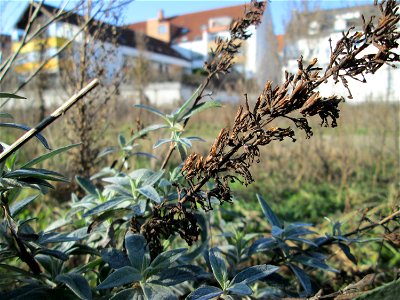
(141, 10)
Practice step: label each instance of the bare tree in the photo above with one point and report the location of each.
(94, 56)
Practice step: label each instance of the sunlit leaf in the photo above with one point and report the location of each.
(218, 266)
(205, 293)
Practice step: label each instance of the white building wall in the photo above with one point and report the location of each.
(251, 51)
(382, 86)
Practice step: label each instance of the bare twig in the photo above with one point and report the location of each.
(50, 119)
(224, 54)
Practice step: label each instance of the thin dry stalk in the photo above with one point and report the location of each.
(222, 57)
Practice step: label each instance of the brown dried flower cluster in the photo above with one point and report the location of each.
(236, 149)
(167, 221)
(222, 57)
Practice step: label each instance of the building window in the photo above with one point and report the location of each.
(162, 29)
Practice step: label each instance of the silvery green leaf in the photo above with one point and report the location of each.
(268, 213)
(205, 293)
(119, 189)
(151, 180)
(86, 185)
(164, 183)
(136, 246)
(116, 259)
(121, 180)
(146, 130)
(158, 292)
(9, 95)
(48, 155)
(254, 273)
(29, 175)
(121, 276)
(182, 151)
(150, 193)
(146, 154)
(152, 110)
(54, 253)
(195, 138)
(108, 205)
(305, 241)
(121, 140)
(17, 207)
(139, 208)
(314, 263)
(40, 137)
(107, 151)
(240, 289)
(161, 142)
(175, 275)
(140, 173)
(277, 231)
(55, 237)
(218, 266)
(200, 107)
(129, 294)
(291, 231)
(302, 278)
(186, 142)
(76, 283)
(178, 114)
(164, 260)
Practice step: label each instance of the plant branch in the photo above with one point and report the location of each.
(47, 121)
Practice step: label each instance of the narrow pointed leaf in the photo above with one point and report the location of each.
(150, 193)
(146, 130)
(165, 259)
(347, 252)
(254, 273)
(152, 110)
(175, 275)
(17, 207)
(86, 185)
(108, 205)
(263, 244)
(179, 112)
(302, 278)
(268, 213)
(200, 107)
(48, 155)
(40, 137)
(218, 266)
(240, 289)
(205, 293)
(122, 276)
(9, 95)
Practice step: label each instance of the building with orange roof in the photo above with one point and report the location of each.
(193, 35)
